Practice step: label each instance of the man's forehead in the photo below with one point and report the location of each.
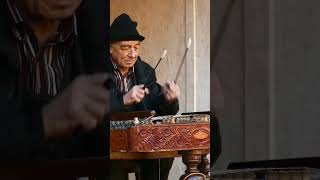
(128, 43)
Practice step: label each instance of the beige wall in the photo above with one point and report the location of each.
(167, 24)
(162, 24)
(202, 54)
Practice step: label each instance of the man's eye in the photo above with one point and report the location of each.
(124, 48)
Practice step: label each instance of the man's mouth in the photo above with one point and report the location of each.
(129, 61)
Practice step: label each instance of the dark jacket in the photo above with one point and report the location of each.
(21, 127)
(154, 101)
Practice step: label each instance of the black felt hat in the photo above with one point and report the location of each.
(124, 29)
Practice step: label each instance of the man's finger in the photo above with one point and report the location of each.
(87, 121)
(140, 95)
(167, 84)
(141, 91)
(146, 91)
(136, 99)
(96, 109)
(172, 85)
(98, 93)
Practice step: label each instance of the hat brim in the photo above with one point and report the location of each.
(127, 38)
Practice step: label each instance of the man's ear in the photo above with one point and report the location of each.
(110, 49)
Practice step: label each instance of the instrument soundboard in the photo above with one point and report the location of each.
(163, 133)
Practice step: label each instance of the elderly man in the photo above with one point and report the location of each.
(52, 94)
(136, 89)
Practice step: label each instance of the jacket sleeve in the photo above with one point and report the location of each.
(116, 102)
(21, 130)
(93, 35)
(93, 23)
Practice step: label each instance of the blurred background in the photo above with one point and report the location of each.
(268, 64)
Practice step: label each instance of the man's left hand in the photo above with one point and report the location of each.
(171, 91)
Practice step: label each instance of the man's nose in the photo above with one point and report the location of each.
(133, 53)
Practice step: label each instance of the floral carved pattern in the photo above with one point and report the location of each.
(167, 137)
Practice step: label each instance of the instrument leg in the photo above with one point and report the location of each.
(204, 165)
(192, 159)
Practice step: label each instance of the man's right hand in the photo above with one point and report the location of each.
(81, 106)
(135, 95)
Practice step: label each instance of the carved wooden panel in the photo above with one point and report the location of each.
(118, 140)
(164, 137)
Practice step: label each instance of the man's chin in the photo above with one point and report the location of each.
(129, 65)
(59, 15)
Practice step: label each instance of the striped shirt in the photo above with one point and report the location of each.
(42, 69)
(123, 82)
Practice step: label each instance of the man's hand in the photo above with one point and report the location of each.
(171, 91)
(81, 106)
(135, 95)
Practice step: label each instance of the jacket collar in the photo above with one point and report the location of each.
(139, 71)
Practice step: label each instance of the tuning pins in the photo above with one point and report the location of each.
(136, 121)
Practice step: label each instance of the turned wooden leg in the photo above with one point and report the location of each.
(204, 165)
(191, 159)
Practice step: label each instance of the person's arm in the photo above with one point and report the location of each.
(21, 130)
(93, 24)
(26, 126)
(117, 104)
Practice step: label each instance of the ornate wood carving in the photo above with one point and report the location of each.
(163, 137)
(167, 137)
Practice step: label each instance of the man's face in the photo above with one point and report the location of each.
(125, 53)
(49, 9)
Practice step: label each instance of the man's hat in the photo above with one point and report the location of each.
(124, 29)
